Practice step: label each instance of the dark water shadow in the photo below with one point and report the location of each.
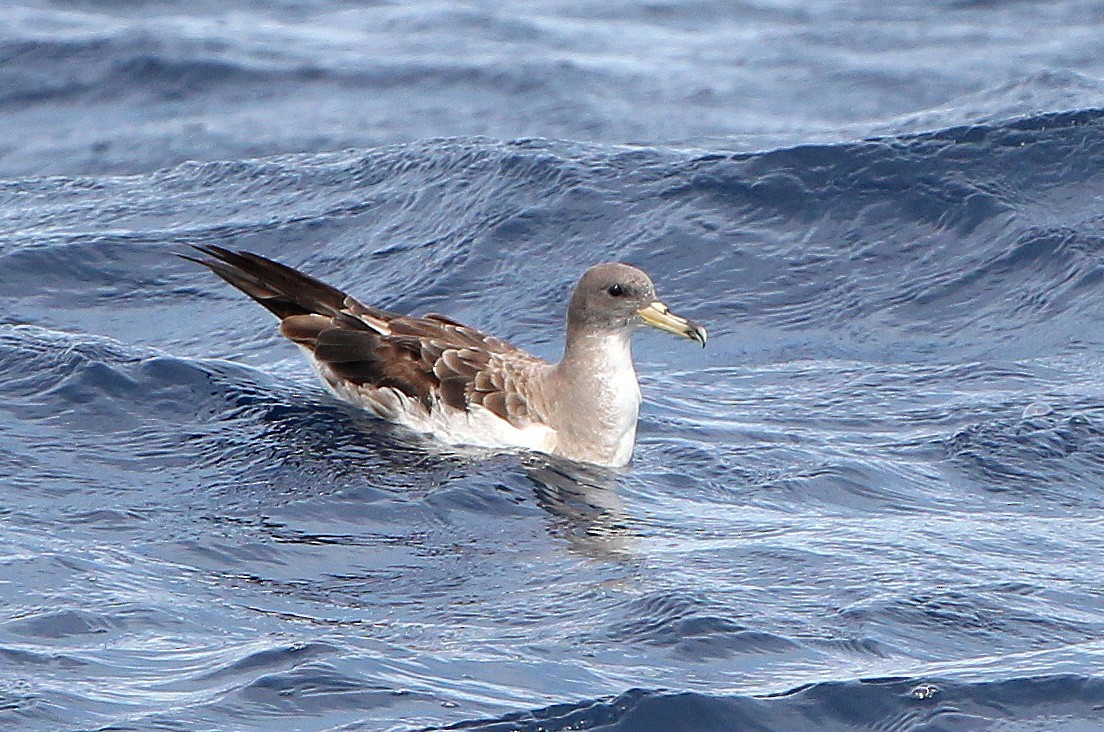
(1052, 702)
(585, 502)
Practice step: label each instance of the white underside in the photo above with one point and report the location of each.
(477, 426)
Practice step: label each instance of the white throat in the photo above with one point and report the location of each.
(612, 356)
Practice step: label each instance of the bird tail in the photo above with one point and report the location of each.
(282, 290)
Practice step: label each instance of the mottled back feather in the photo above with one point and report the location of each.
(432, 359)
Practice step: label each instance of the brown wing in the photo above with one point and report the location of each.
(431, 359)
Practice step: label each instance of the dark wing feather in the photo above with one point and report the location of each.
(433, 358)
(281, 289)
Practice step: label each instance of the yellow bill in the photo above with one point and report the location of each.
(660, 316)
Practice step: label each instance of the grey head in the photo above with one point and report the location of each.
(616, 297)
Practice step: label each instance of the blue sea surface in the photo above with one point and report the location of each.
(875, 501)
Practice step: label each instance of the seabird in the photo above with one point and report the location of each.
(442, 377)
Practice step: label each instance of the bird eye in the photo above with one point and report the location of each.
(616, 290)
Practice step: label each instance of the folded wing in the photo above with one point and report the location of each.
(432, 360)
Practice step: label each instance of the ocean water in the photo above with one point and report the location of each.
(873, 502)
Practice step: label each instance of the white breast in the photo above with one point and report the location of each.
(618, 398)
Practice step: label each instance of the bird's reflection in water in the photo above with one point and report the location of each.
(337, 446)
(586, 502)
